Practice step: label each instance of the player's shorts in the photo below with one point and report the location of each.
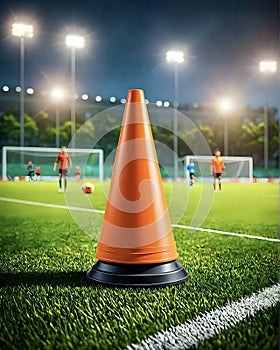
(192, 175)
(217, 175)
(63, 172)
(37, 173)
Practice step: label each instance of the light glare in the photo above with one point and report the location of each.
(98, 98)
(175, 56)
(5, 88)
(30, 91)
(22, 30)
(75, 41)
(268, 66)
(166, 104)
(85, 97)
(225, 104)
(57, 93)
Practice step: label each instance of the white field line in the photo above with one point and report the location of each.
(39, 204)
(21, 201)
(226, 233)
(211, 323)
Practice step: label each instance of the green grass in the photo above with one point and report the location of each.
(47, 303)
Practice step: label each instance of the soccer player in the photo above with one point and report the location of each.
(31, 170)
(64, 161)
(38, 172)
(191, 169)
(216, 168)
(78, 173)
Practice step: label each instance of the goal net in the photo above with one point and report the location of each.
(236, 168)
(14, 162)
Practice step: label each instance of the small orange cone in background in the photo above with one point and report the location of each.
(136, 245)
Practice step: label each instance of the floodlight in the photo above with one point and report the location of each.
(57, 93)
(5, 88)
(225, 104)
(98, 98)
(22, 30)
(166, 104)
(268, 66)
(85, 97)
(175, 56)
(30, 91)
(75, 41)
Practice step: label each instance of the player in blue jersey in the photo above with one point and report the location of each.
(191, 169)
(31, 170)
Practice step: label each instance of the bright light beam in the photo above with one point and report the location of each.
(22, 30)
(75, 41)
(268, 66)
(225, 104)
(57, 93)
(175, 56)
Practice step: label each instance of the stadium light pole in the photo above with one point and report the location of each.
(74, 42)
(225, 105)
(22, 31)
(268, 68)
(57, 95)
(175, 58)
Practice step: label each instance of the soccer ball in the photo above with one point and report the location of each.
(88, 188)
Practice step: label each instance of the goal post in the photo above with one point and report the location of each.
(235, 167)
(14, 161)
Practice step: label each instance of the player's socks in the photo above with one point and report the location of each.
(220, 186)
(59, 183)
(65, 184)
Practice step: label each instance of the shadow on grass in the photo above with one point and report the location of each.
(74, 279)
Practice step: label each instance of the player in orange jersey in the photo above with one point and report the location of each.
(64, 161)
(38, 172)
(216, 168)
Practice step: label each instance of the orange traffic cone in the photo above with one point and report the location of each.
(136, 245)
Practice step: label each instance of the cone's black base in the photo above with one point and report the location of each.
(143, 275)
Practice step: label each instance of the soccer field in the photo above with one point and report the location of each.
(228, 302)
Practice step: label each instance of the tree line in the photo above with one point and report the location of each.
(245, 129)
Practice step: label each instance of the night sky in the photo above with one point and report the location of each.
(126, 42)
